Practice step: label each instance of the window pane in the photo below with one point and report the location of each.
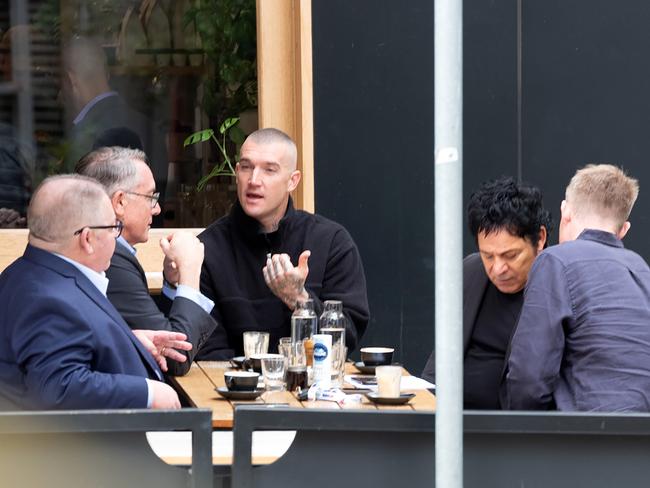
(79, 74)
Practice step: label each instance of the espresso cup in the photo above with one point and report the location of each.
(241, 380)
(377, 356)
(255, 361)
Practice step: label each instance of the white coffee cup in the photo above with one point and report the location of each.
(388, 381)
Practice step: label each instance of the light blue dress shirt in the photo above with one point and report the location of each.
(181, 291)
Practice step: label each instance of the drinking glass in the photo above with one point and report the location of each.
(284, 345)
(297, 355)
(297, 375)
(255, 343)
(273, 370)
(388, 380)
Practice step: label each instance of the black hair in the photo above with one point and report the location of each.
(502, 204)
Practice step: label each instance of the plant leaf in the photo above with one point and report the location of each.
(237, 136)
(200, 136)
(227, 124)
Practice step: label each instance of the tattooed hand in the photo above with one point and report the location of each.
(286, 281)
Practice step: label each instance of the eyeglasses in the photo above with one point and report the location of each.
(117, 228)
(154, 197)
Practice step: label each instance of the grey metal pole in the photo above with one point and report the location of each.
(448, 51)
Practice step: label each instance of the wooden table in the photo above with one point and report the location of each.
(199, 385)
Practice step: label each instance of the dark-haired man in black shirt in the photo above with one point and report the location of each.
(510, 225)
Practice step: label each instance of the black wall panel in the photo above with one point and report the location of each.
(586, 96)
(373, 124)
(583, 97)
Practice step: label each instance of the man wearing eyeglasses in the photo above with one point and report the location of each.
(125, 175)
(65, 345)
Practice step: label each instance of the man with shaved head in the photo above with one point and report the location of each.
(265, 256)
(65, 345)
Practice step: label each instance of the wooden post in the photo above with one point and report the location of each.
(284, 69)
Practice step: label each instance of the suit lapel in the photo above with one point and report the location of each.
(126, 254)
(475, 282)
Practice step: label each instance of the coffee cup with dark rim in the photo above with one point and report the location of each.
(241, 380)
(377, 356)
(255, 361)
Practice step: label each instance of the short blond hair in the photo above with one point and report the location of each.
(602, 190)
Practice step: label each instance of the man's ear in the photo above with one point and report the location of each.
(624, 228)
(294, 179)
(119, 202)
(85, 241)
(565, 212)
(543, 235)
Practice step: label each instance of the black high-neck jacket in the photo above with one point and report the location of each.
(235, 253)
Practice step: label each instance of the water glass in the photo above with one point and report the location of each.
(274, 367)
(255, 343)
(284, 345)
(297, 355)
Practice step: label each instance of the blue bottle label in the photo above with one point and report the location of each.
(320, 352)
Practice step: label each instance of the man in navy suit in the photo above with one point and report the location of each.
(125, 175)
(64, 345)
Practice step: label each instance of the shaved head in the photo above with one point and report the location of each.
(271, 136)
(63, 204)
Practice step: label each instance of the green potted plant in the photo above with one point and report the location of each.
(229, 128)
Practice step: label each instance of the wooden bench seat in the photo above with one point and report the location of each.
(13, 242)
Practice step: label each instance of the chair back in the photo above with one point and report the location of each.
(85, 448)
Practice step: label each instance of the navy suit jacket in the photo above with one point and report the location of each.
(63, 344)
(128, 292)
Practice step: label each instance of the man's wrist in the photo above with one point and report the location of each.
(168, 283)
(190, 278)
(302, 296)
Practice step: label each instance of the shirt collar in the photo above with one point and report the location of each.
(98, 279)
(129, 247)
(251, 226)
(601, 236)
(80, 116)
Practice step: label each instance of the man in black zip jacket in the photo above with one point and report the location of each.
(249, 269)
